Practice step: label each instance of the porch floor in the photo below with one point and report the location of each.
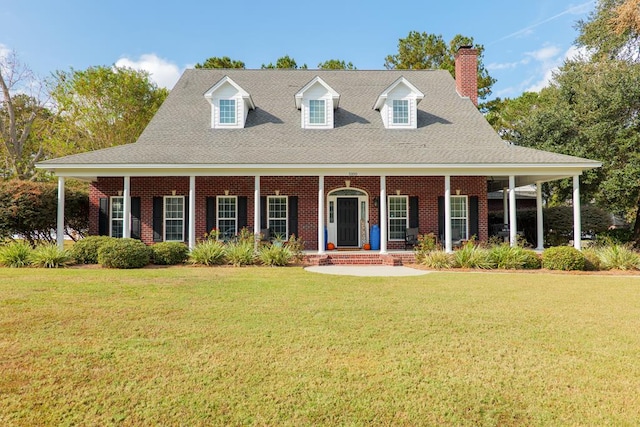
(359, 257)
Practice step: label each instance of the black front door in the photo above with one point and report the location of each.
(347, 221)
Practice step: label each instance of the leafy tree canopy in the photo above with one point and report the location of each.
(220, 62)
(284, 62)
(336, 64)
(103, 106)
(420, 51)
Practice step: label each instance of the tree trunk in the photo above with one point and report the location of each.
(636, 227)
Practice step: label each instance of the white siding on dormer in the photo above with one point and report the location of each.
(400, 92)
(228, 91)
(317, 91)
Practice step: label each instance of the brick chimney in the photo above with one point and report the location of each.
(467, 73)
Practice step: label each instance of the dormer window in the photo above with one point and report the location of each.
(317, 102)
(317, 112)
(400, 112)
(228, 111)
(230, 104)
(398, 105)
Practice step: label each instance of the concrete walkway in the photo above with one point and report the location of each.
(366, 270)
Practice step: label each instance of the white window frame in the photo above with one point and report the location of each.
(465, 218)
(111, 218)
(394, 122)
(323, 104)
(390, 218)
(235, 112)
(286, 215)
(165, 219)
(218, 218)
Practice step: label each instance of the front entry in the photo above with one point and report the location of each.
(347, 226)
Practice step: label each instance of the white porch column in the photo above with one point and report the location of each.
(539, 219)
(513, 226)
(383, 214)
(448, 244)
(577, 220)
(256, 209)
(505, 205)
(60, 223)
(321, 242)
(192, 212)
(126, 208)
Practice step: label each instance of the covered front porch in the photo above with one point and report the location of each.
(338, 206)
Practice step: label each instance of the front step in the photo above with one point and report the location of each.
(360, 258)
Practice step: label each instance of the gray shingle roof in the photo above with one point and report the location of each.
(450, 129)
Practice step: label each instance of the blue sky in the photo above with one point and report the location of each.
(524, 39)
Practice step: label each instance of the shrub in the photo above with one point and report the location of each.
(239, 253)
(50, 256)
(209, 252)
(437, 259)
(426, 244)
(124, 253)
(85, 251)
(618, 257)
(296, 246)
(245, 236)
(274, 255)
(505, 257)
(591, 259)
(169, 253)
(563, 258)
(15, 254)
(532, 260)
(472, 256)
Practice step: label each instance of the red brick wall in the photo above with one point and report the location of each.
(427, 189)
(467, 73)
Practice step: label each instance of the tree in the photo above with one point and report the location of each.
(103, 106)
(23, 118)
(593, 111)
(285, 62)
(220, 62)
(336, 64)
(612, 30)
(420, 51)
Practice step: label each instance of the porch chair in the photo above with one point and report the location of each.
(411, 237)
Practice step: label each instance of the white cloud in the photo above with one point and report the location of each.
(4, 51)
(163, 72)
(545, 54)
(551, 62)
(506, 65)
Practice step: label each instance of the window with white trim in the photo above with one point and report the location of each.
(227, 217)
(459, 217)
(277, 215)
(400, 112)
(116, 217)
(398, 217)
(317, 112)
(228, 111)
(174, 218)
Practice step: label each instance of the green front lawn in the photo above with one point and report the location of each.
(267, 346)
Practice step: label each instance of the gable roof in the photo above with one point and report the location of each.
(385, 93)
(335, 95)
(226, 79)
(451, 133)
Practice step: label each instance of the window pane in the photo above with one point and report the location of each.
(174, 218)
(397, 217)
(227, 111)
(227, 216)
(278, 227)
(459, 217)
(400, 111)
(117, 215)
(277, 215)
(316, 112)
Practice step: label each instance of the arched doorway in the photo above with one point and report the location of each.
(348, 217)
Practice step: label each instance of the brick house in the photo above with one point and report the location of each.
(304, 151)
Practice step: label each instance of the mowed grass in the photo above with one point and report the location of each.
(281, 346)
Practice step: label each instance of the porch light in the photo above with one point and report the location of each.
(119, 192)
(376, 200)
(173, 192)
(347, 183)
(277, 192)
(226, 192)
(397, 192)
(457, 192)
